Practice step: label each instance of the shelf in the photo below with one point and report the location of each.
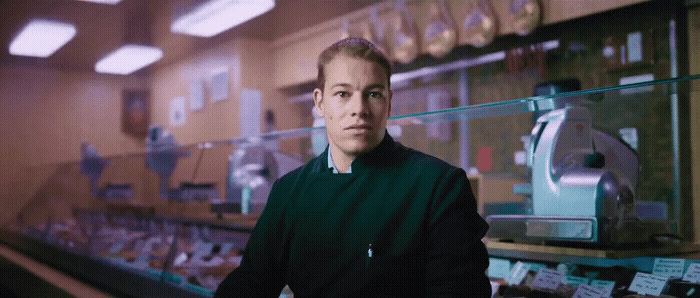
(642, 259)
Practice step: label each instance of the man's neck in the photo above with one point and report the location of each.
(341, 161)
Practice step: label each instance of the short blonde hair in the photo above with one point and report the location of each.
(352, 47)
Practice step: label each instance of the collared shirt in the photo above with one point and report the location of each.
(331, 165)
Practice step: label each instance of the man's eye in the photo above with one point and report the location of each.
(375, 95)
(341, 94)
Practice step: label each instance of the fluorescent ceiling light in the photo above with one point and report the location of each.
(127, 59)
(42, 38)
(216, 16)
(112, 2)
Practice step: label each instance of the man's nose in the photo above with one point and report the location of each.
(358, 105)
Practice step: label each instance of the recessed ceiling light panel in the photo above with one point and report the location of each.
(42, 38)
(216, 16)
(112, 2)
(128, 59)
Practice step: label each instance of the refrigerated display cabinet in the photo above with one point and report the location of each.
(153, 243)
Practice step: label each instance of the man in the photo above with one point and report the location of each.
(368, 217)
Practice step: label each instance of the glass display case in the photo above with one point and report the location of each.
(175, 219)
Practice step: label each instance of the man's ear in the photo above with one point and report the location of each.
(318, 99)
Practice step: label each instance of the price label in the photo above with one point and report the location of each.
(693, 273)
(547, 279)
(498, 268)
(606, 285)
(648, 284)
(148, 247)
(586, 291)
(536, 267)
(202, 250)
(672, 268)
(228, 247)
(518, 273)
(575, 280)
(117, 247)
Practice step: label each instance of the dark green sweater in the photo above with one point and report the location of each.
(415, 213)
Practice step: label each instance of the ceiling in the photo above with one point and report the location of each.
(102, 28)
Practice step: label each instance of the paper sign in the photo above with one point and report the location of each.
(693, 273)
(498, 268)
(575, 280)
(648, 284)
(177, 111)
(634, 47)
(668, 267)
(586, 291)
(606, 285)
(547, 279)
(517, 274)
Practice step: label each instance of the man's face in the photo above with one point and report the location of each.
(355, 102)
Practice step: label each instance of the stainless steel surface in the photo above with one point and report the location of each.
(569, 229)
(675, 124)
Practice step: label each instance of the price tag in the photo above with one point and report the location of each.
(117, 247)
(606, 285)
(693, 273)
(648, 284)
(517, 273)
(227, 248)
(672, 268)
(575, 280)
(148, 247)
(498, 268)
(494, 287)
(586, 291)
(202, 250)
(536, 267)
(547, 279)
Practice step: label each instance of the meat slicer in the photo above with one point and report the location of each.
(252, 169)
(162, 154)
(92, 165)
(582, 188)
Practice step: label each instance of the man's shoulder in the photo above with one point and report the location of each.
(423, 161)
(313, 165)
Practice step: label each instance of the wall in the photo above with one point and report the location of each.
(44, 117)
(54, 111)
(249, 67)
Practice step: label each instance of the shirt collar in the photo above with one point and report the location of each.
(331, 165)
(382, 156)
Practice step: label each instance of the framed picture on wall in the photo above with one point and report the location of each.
(136, 112)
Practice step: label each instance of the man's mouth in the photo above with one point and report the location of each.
(359, 127)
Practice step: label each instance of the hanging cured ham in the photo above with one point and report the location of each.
(405, 41)
(480, 24)
(440, 35)
(526, 15)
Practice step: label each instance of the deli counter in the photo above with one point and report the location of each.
(585, 183)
